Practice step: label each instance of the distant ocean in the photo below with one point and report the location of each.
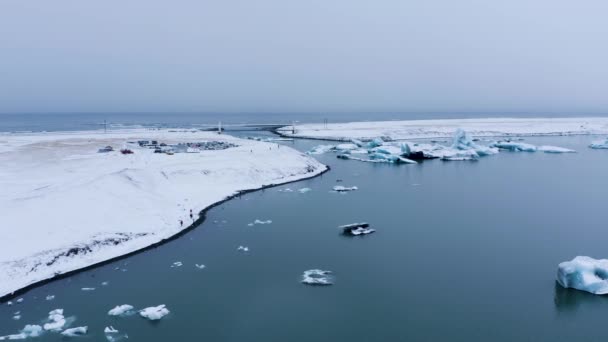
(36, 122)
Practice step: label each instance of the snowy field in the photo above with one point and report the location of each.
(425, 129)
(64, 206)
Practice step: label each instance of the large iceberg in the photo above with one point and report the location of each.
(584, 273)
(600, 144)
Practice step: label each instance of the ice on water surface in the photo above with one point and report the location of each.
(30, 330)
(600, 144)
(317, 277)
(154, 313)
(78, 331)
(121, 310)
(584, 273)
(56, 320)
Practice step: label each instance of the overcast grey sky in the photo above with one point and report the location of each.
(309, 55)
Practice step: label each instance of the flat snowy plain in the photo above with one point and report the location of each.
(430, 129)
(64, 206)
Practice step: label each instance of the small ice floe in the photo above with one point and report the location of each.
(514, 146)
(259, 222)
(50, 297)
(20, 300)
(304, 190)
(200, 267)
(317, 277)
(584, 273)
(56, 320)
(9, 303)
(600, 144)
(243, 248)
(73, 332)
(30, 330)
(320, 149)
(17, 317)
(357, 229)
(105, 283)
(88, 289)
(121, 310)
(110, 330)
(341, 188)
(554, 149)
(285, 190)
(177, 264)
(154, 313)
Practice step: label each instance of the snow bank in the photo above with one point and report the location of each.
(90, 207)
(432, 129)
(584, 273)
(154, 313)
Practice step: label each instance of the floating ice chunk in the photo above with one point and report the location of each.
(341, 188)
(514, 146)
(357, 229)
(317, 277)
(200, 267)
(375, 143)
(599, 144)
(346, 147)
(463, 142)
(154, 313)
(9, 303)
(262, 222)
(20, 300)
(50, 297)
(362, 231)
(30, 330)
(321, 149)
(359, 143)
(56, 320)
(176, 264)
(17, 317)
(243, 248)
(105, 283)
(304, 190)
(285, 190)
(72, 332)
(121, 310)
(88, 289)
(555, 149)
(110, 330)
(584, 273)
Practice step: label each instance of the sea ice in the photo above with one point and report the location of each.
(72, 332)
(599, 144)
(304, 190)
(105, 283)
(340, 188)
(17, 317)
(584, 273)
(19, 300)
(56, 320)
(321, 149)
(110, 330)
(177, 264)
(200, 267)
(30, 330)
(243, 248)
(154, 313)
(554, 149)
(317, 277)
(515, 146)
(121, 310)
(88, 289)
(50, 297)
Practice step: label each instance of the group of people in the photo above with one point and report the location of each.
(181, 222)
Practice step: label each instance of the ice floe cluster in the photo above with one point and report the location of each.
(462, 148)
(584, 273)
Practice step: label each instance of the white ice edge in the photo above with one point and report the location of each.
(60, 195)
(433, 129)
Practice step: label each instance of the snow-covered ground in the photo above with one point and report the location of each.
(430, 129)
(63, 206)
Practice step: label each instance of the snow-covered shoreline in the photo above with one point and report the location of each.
(435, 129)
(65, 207)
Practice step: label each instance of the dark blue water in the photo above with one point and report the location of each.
(465, 251)
(88, 121)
